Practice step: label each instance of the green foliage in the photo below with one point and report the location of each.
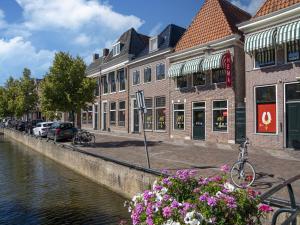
(3, 103)
(65, 87)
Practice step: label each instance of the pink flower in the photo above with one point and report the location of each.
(167, 212)
(225, 168)
(265, 208)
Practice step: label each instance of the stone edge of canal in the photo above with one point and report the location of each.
(120, 177)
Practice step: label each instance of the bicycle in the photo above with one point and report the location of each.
(84, 137)
(242, 172)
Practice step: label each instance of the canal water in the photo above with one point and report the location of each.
(35, 190)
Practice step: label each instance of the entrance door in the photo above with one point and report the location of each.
(136, 118)
(96, 117)
(104, 119)
(292, 115)
(199, 121)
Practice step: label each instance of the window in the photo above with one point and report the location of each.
(265, 58)
(116, 49)
(136, 77)
(112, 114)
(84, 118)
(153, 45)
(160, 113)
(148, 119)
(112, 81)
(97, 87)
(218, 76)
(266, 109)
(198, 79)
(181, 82)
(122, 81)
(121, 121)
(293, 51)
(147, 75)
(179, 116)
(220, 115)
(160, 72)
(104, 84)
(90, 115)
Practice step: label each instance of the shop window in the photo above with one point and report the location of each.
(112, 113)
(147, 75)
(181, 82)
(198, 79)
(178, 116)
(293, 51)
(160, 72)
(104, 84)
(292, 92)
(265, 58)
(148, 119)
(218, 76)
(84, 117)
(160, 113)
(136, 79)
(112, 81)
(220, 115)
(122, 80)
(266, 121)
(121, 113)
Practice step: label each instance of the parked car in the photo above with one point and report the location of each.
(30, 125)
(20, 126)
(61, 131)
(41, 129)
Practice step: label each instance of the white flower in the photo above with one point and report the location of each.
(193, 218)
(137, 198)
(171, 222)
(164, 191)
(154, 184)
(229, 187)
(219, 194)
(159, 197)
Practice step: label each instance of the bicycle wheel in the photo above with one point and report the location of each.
(242, 174)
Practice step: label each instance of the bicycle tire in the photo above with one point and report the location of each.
(248, 177)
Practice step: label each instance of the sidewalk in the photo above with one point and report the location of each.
(272, 166)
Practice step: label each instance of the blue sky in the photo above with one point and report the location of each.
(31, 31)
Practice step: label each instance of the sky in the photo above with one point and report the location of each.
(31, 31)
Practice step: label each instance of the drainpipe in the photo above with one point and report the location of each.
(100, 102)
(128, 98)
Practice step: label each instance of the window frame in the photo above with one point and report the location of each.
(118, 48)
(121, 110)
(212, 74)
(155, 38)
(133, 73)
(110, 83)
(286, 53)
(184, 119)
(110, 111)
(176, 80)
(119, 80)
(148, 109)
(266, 66)
(156, 75)
(148, 68)
(200, 85)
(214, 109)
(106, 82)
(155, 112)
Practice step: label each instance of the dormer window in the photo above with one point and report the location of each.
(116, 49)
(153, 44)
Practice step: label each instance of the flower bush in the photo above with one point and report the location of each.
(185, 199)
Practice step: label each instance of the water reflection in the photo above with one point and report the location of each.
(36, 190)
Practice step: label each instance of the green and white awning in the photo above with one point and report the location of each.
(192, 66)
(175, 70)
(212, 62)
(288, 32)
(262, 40)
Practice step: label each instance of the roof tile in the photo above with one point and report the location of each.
(274, 5)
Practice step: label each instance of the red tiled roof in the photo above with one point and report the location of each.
(274, 5)
(215, 20)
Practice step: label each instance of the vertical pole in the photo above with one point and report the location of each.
(145, 139)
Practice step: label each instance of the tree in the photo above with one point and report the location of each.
(65, 87)
(3, 103)
(11, 95)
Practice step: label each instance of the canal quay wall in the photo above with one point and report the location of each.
(120, 177)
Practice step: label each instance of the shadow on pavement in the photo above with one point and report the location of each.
(120, 144)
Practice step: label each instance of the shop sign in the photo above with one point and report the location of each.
(266, 118)
(227, 66)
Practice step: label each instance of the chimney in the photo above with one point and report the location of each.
(95, 56)
(105, 52)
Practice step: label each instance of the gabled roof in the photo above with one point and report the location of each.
(215, 20)
(271, 6)
(94, 67)
(168, 38)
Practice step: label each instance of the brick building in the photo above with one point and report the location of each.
(204, 95)
(272, 44)
(147, 72)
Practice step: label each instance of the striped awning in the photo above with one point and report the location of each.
(288, 32)
(212, 62)
(175, 70)
(262, 40)
(192, 66)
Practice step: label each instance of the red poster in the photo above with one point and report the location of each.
(227, 67)
(266, 118)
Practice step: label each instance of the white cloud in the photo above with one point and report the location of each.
(74, 14)
(16, 53)
(156, 29)
(251, 7)
(83, 40)
(2, 19)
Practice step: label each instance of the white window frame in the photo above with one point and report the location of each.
(155, 117)
(113, 110)
(133, 84)
(204, 115)
(212, 116)
(148, 67)
(259, 68)
(116, 49)
(110, 84)
(152, 114)
(184, 124)
(155, 38)
(159, 64)
(121, 110)
(119, 83)
(255, 111)
(106, 76)
(286, 56)
(187, 83)
(211, 76)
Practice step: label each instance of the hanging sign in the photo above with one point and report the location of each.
(227, 66)
(266, 118)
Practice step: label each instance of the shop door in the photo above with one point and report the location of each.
(293, 115)
(199, 121)
(104, 119)
(240, 125)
